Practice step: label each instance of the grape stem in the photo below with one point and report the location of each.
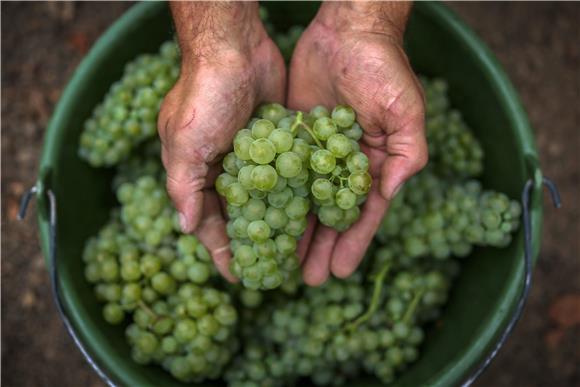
(374, 304)
(413, 306)
(298, 122)
(147, 310)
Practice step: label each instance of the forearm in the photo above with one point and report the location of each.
(204, 27)
(388, 17)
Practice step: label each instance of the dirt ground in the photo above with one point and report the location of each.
(536, 43)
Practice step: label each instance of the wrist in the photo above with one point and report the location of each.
(388, 18)
(210, 31)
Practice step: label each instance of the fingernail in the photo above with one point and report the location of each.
(396, 191)
(183, 223)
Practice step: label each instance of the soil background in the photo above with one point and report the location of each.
(537, 44)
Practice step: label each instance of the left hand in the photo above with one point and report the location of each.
(352, 54)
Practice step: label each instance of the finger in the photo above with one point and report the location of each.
(317, 266)
(306, 239)
(212, 233)
(185, 182)
(352, 244)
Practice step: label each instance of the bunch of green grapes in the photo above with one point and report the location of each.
(432, 217)
(257, 366)
(332, 333)
(453, 149)
(127, 116)
(146, 211)
(177, 319)
(190, 333)
(340, 180)
(145, 161)
(436, 96)
(393, 336)
(278, 167)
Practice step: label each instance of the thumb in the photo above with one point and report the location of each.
(407, 154)
(405, 143)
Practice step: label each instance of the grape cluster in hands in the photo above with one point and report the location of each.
(284, 164)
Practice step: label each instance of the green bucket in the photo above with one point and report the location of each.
(485, 297)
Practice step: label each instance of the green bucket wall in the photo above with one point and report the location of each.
(439, 44)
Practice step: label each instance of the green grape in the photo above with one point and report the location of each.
(264, 177)
(258, 231)
(236, 195)
(286, 123)
(261, 129)
(163, 283)
(250, 298)
(360, 182)
(295, 227)
(330, 215)
(357, 162)
(198, 273)
(223, 181)
(324, 127)
(240, 227)
(345, 199)
(276, 218)
(146, 343)
(279, 199)
(131, 293)
(242, 146)
(281, 183)
(299, 180)
(339, 145)
(273, 112)
(262, 151)
(354, 132)
(322, 161)
(297, 208)
(257, 194)
(491, 220)
(266, 249)
(282, 140)
(286, 244)
(319, 112)
(130, 271)
(302, 149)
(343, 116)
(113, 313)
(254, 209)
(301, 190)
(245, 177)
(150, 265)
(322, 189)
(288, 164)
(351, 215)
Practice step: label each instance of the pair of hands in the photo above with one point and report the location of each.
(350, 54)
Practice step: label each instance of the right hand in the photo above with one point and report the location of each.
(213, 98)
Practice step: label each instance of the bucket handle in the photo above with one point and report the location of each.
(54, 281)
(528, 268)
(525, 199)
